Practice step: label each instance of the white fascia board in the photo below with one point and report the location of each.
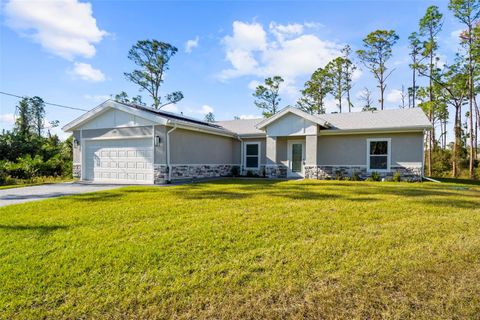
(110, 104)
(372, 131)
(252, 135)
(199, 128)
(295, 111)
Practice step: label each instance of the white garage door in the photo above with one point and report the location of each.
(119, 161)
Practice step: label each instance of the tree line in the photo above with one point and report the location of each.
(30, 150)
(446, 86)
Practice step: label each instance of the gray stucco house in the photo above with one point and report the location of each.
(123, 143)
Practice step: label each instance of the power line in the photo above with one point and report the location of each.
(49, 103)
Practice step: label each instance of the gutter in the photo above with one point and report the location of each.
(430, 179)
(193, 127)
(372, 131)
(169, 165)
(241, 154)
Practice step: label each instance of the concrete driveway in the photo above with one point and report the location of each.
(46, 191)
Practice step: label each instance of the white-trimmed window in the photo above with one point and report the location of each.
(378, 154)
(252, 155)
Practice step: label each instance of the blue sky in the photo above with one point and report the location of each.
(75, 52)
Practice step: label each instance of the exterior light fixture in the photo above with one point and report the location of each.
(157, 140)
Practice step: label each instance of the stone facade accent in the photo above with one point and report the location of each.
(408, 173)
(260, 172)
(160, 173)
(77, 171)
(337, 172)
(276, 171)
(200, 171)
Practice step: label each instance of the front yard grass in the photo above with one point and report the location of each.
(246, 249)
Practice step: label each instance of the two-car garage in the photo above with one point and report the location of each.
(128, 161)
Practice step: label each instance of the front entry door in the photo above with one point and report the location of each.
(296, 159)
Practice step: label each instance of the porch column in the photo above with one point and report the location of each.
(311, 144)
(271, 151)
(271, 155)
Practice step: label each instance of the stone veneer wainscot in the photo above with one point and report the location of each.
(332, 172)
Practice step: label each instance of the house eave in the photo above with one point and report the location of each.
(333, 132)
(252, 135)
(199, 128)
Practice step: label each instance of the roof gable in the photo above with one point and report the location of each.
(291, 110)
(113, 114)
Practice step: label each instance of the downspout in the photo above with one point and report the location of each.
(424, 177)
(241, 154)
(169, 165)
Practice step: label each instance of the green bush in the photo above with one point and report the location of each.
(338, 175)
(3, 173)
(25, 167)
(235, 171)
(397, 176)
(355, 176)
(375, 176)
(250, 174)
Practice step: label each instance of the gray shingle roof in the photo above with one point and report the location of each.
(385, 119)
(242, 126)
(369, 120)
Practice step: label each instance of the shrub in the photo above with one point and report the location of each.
(355, 176)
(397, 176)
(3, 173)
(235, 171)
(338, 175)
(250, 174)
(375, 176)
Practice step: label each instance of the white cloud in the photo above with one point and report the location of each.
(299, 56)
(86, 72)
(286, 50)
(190, 44)
(247, 36)
(65, 28)
(204, 109)
(282, 31)
(357, 74)
(7, 118)
(313, 25)
(249, 116)
(394, 96)
(241, 47)
(252, 85)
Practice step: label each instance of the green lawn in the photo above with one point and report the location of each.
(246, 249)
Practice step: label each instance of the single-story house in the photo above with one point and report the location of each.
(123, 143)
